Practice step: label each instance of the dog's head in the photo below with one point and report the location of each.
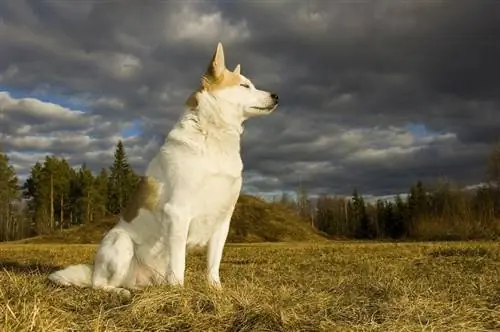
(234, 90)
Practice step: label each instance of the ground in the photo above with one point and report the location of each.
(338, 286)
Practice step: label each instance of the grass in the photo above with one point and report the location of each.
(342, 286)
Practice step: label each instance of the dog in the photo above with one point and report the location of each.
(188, 193)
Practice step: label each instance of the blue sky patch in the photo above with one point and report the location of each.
(133, 130)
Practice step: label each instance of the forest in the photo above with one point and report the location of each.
(56, 196)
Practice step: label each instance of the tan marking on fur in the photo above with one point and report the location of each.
(145, 196)
(225, 80)
(192, 101)
(216, 77)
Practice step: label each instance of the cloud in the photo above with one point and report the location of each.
(32, 129)
(374, 95)
(189, 24)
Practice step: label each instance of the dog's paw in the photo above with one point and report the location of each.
(215, 284)
(122, 292)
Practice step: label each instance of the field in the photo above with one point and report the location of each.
(340, 286)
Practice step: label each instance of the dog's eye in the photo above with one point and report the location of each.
(245, 85)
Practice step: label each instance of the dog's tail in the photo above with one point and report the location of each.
(76, 275)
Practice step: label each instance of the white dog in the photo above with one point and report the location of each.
(188, 194)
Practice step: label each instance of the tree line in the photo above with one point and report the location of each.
(56, 196)
(437, 211)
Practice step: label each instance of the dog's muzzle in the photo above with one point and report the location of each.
(275, 98)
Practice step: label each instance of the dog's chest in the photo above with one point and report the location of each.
(213, 205)
(215, 198)
(218, 188)
(205, 179)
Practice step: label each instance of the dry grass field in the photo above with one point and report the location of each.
(341, 286)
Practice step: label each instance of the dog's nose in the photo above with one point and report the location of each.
(275, 97)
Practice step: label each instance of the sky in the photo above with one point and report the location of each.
(374, 95)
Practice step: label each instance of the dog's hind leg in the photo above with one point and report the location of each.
(113, 262)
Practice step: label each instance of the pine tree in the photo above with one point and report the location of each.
(363, 229)
(122, 181)
(384, 216)
(37, 194)
(9, 193)
(401, 219)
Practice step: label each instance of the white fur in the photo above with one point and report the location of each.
(199, 169)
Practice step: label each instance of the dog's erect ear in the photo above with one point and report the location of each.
(217, 65)
(237, 70)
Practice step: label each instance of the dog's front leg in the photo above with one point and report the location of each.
(214, 255)
(177, 224)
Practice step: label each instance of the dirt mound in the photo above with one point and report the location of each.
(254, 220)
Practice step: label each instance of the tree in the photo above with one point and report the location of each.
(63, 179)
(325, 217)
(122, 181)
(385, 217)
(47, 189)
(101, 193)
(331, 215)
(56, 176)
(37, 195)
(304, 205)
(48, 171)
(9, 193)
(402, 220)
(285, 199)
(417, 203)
(86, 193)
(73, 196)
(494, 166)
(363, 229)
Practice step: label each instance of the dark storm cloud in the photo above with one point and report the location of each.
(394, 58)
(351, 77)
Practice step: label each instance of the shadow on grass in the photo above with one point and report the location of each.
(27, 268)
